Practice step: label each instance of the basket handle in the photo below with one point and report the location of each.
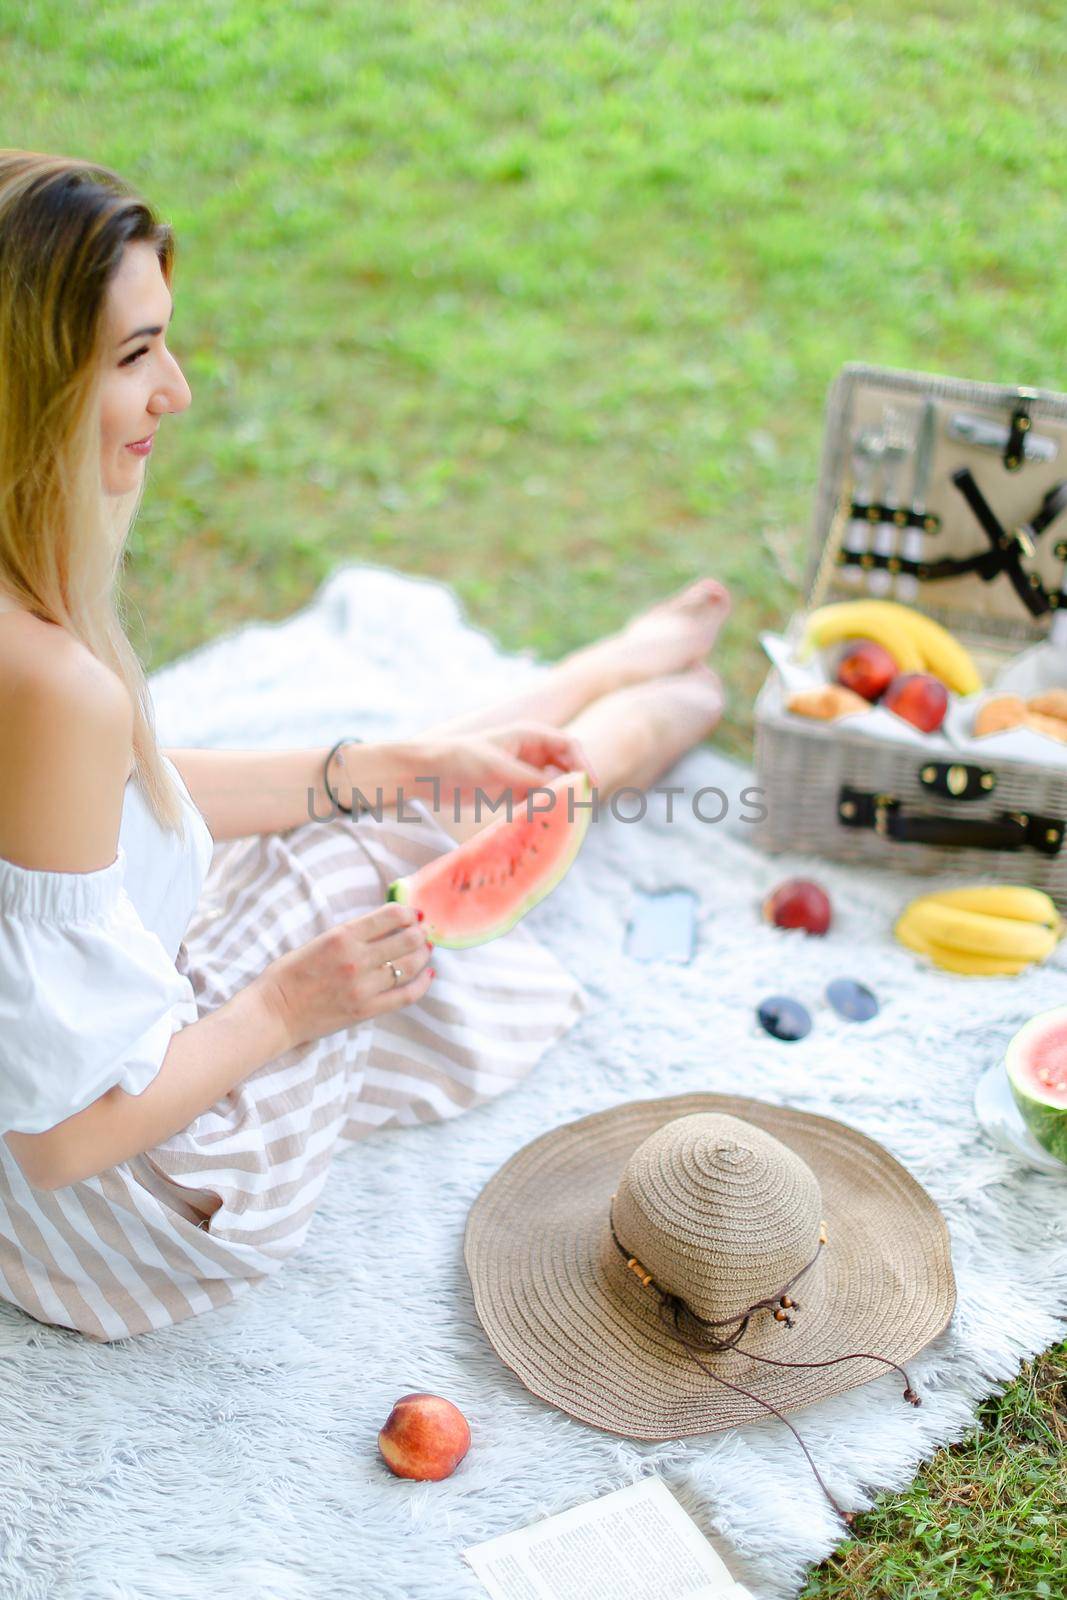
(1008, 830)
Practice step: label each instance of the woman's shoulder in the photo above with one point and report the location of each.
(66, 733)
(37, 653)
(40, 658)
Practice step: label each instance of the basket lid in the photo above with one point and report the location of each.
(968, 472)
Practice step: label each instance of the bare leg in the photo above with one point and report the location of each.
(632, 735)
(667, 638)
(561, 694)
(638, 733)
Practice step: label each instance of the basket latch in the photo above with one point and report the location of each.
(957, 780)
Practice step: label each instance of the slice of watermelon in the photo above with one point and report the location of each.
(480, 889)
(1036, 1064)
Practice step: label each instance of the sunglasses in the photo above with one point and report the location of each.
(785, 1018)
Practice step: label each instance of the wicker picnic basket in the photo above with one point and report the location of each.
(968, 527)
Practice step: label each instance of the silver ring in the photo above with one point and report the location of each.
(398, 972)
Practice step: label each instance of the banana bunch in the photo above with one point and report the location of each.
(982, 931)
(916, 642)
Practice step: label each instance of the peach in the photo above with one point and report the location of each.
(424, 1437)
(799, 903)
(919, 698)
(867, 669)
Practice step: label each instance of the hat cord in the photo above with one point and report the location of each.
(781, 1303)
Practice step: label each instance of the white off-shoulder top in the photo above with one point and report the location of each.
(90, 996)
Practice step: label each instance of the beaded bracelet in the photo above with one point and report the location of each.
(349, 739)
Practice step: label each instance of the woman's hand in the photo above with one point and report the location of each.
(342, 977)
(517, 756)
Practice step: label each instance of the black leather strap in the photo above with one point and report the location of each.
(987, 565)
(1008, 830)
(1052, 506)
(900, 516)
(1006, 546)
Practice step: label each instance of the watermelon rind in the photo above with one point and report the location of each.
(1046, 1120)
(399, 890)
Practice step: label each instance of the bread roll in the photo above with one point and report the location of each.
(828, 703)
(1052, 703)
(1002, 712)
(1055, 727)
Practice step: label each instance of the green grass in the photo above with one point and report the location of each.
(545, 300)
(985, 1519)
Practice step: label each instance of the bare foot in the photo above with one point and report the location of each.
(637, 733)
(668, 637)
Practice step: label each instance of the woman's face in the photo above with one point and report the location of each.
(142, 380)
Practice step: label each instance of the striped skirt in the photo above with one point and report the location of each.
(192, 1223)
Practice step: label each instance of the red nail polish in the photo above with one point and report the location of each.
(433, 972)
(429, 944)
(421, 915)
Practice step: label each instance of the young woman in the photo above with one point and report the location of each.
(202, 994)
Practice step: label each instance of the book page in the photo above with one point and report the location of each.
(634, 1544)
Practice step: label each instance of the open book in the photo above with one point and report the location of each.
(635, 1544)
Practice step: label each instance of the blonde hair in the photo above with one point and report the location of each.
(64, 225)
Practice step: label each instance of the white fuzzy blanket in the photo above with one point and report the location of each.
(235, 1455)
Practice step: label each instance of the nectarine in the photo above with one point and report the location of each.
(424, 1437)
(867, 669)
(798, 903)
(919, 698)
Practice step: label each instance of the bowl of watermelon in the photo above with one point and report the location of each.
(1021, 1101)
(1036, 1067)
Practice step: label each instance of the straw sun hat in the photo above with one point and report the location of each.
(646, 1269)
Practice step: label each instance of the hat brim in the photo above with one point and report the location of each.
(579, 1330)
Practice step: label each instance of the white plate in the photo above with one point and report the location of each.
(995, 1108)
